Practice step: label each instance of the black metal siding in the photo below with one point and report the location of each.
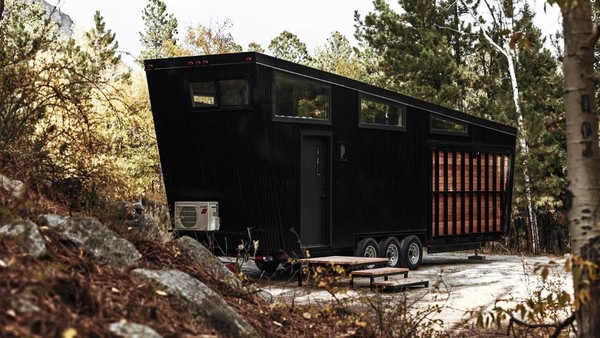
(250, 163)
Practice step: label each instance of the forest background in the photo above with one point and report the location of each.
(76, 125)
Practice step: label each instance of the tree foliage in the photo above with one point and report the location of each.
(417, 57)
(337, 56)
(214, 38)
(436, 52)
(77, 114)
(288, 46)
(160, 30)
(66, 113)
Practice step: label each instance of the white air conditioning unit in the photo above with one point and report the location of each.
(197, 216)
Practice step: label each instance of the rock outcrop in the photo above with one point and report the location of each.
(88, 235)
(212, 264)
(202, 300)
(100, 242)
(27, 235)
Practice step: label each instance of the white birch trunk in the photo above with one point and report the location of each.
(522, 134)
(582, 152)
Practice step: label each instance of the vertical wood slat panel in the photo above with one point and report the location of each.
(454, 194)
(436, 182)
(445, 232)
(469, 192)
(464, 225)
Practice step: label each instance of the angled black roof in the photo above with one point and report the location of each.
(323, 76)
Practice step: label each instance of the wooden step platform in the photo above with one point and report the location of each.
(401, 284)
(377, 272)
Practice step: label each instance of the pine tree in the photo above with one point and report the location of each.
(161, 29)
(337, 56)
(414, 48)
(102, 45)
(289, 47)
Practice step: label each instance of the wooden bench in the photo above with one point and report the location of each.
(401, 284)
(378, 272)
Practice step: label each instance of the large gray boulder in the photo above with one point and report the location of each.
(28, 237)
(198, 252)
(202, 300)
(95, 238)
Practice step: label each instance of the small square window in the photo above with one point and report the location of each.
(203, 94)
(233, 92)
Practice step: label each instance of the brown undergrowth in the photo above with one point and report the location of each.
(68, 292)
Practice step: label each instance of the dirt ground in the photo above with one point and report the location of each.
(457, 284)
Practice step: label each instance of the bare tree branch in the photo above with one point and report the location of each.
(557, 326)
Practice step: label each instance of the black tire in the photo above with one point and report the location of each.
(269, 267)
(390, 248)
(367, 247)
(411, 251)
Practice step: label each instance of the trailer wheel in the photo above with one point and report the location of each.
(411, 252)
(390, 249)
(268, 267)
(367, 248)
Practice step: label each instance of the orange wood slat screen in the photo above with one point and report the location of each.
(468, 191)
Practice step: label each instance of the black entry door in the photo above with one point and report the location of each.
(314, 190)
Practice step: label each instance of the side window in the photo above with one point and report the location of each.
(228, 93)
(233, 92)
(300, 98)
(374, 112)
(203, 94)
(444, 125)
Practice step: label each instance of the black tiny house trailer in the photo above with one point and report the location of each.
(301, 159)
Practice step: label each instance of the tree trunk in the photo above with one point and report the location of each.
(1, 8)
(533, 240)
(582, 153)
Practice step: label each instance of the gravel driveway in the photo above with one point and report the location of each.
(457, 284)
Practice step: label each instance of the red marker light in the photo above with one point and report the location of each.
(149, 66)
(190, 63)
(204, 62)
(197, 63)
(248, 59)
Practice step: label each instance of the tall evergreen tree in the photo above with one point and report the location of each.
(337, 56)
(161, 29)
(416, 56)
(546, 135)
(289, 47)
(102, 44)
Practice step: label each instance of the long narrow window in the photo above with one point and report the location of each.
(221, 93)
(300, 98)
(377, 113)
(444, 125)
